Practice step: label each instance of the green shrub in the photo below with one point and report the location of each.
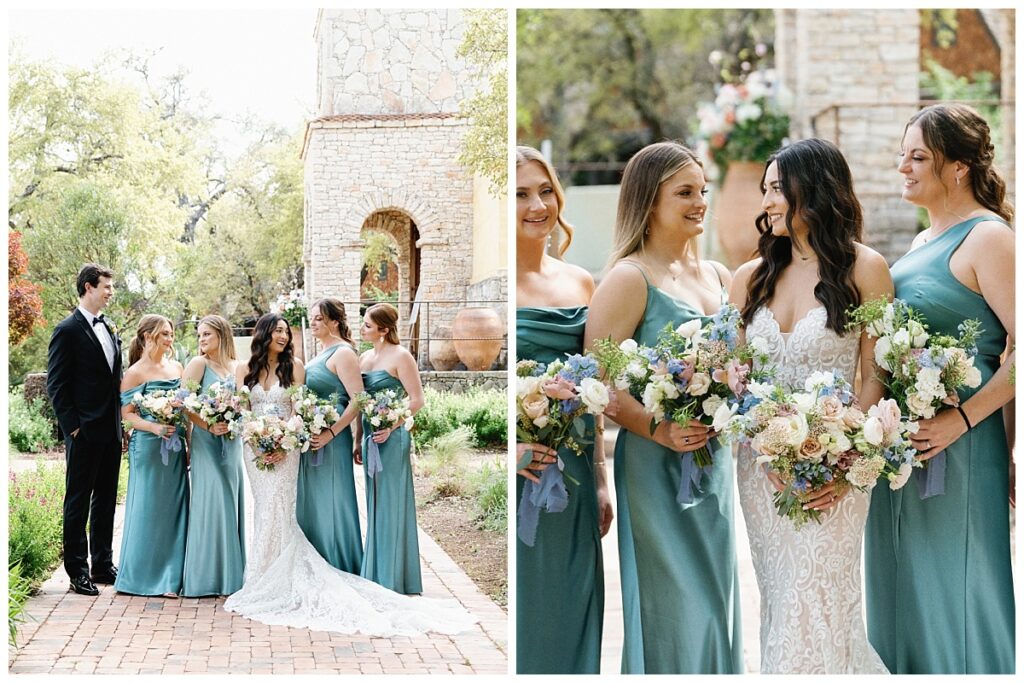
(35, 509)
(490, 486)
(485, 411)
(29, 429)
(18, 590)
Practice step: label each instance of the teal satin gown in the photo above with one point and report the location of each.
(215, 547)
(560, 580)
(939, 585)
(392, 556)
(156, 511)
(326, 507)
(680, 588)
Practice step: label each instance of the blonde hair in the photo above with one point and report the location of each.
(385, 316)
(149, 324)
(225, 343)
(643, 176)
(525, 155)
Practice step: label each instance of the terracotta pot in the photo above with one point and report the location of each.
(298, 345)
(737, 205)
(442, 350)
(477, 334)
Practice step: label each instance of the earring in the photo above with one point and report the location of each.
(958, 180)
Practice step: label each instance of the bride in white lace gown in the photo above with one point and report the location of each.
(811, 270)
(286, 580)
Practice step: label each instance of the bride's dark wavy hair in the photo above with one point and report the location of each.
(260, 358)
(816, 182)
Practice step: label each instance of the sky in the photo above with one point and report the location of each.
(258, 61)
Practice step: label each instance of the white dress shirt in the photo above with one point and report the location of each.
(103, 334)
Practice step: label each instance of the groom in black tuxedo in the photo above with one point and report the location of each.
(84, 384)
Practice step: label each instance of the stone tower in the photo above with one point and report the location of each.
(382, 155)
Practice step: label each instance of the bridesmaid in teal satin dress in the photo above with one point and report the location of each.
(939, 585)
(392, 555)
(156, 508)
(215, 546)
(560, 579)
(680, 589)
(326, 507)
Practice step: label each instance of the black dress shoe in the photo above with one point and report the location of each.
(108, 576)
(83, 586)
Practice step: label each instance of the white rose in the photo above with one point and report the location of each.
(594, 395)
(759, 344)
(918, 335)
(840, 443)
(796, 426)
(652, 402)
(699, 384)
(761, 390)
(722, 416)
(804, 402)
(901, 338)
(819, 379)
(628, 345)
(667, 386)
(930, 377)
(882, 347)
(711, 404)
(541, 422)
(897, 480)
(873, 432)
(920, 405)
(527, 385)
(690, 328)
(973, 378)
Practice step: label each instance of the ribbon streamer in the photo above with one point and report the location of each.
(318, 457)
(931, 479)
(372, 463)
(689, 480)
(168, 444)
(549, 495)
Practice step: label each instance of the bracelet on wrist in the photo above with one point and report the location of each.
(964, 416)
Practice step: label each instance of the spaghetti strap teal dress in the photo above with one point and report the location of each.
(939, 584)
(392, 555)
(215, 545)
(560, 580)
(680, 588)
(156, 511)
(326, 507)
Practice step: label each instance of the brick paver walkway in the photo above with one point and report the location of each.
(115, 633)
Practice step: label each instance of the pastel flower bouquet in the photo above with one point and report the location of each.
(317, 414)
(384, 409)
(925, 371)
(218, 404)
(266, 434)
(551, 403)
(696, 371)
(164, 406)
(292, 307)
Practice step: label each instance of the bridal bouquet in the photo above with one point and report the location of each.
(317, 414)
(266, 434)
(384, 409)
(809, 439)
(695, 372)
(551, 402)
(164, 406)
(925, 370)
(219, 404)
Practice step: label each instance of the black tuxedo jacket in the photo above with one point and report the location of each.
(84, 391)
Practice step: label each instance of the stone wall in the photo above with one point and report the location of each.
(853, 79)
(459, 382)
(373, 61)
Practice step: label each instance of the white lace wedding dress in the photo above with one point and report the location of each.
(809, 579)
(288, 583)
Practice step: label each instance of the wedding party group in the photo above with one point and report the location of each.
(295, 431)
(849, 403)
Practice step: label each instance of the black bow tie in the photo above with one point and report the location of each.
(99, 319)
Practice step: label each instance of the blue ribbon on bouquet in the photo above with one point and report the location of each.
(550, 495)
(931, 479)
(318, 458)
(168, 444)
(689, 480)
(373, 463)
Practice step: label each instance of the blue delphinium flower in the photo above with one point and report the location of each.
(579, 367)
(674, 366)
(569, 406)
(725, 326)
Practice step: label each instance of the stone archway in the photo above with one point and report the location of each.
(400, 226)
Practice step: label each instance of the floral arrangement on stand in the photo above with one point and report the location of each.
(292, 307)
